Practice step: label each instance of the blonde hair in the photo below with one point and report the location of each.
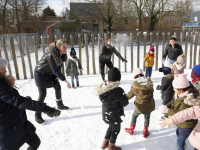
(58, 43)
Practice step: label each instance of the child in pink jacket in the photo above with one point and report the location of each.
(178, 66)
(187, 114)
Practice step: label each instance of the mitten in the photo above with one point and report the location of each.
(124, 60)
(51, 112)
(163, 109)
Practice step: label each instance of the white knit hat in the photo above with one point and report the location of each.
(3, 62)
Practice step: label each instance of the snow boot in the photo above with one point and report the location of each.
(105, 144)
(38, 118)
(130, 130)
(77, 84)
(145, 132)
(61, 106)
(73, 86)
(113, 147)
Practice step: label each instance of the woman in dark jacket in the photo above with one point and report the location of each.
(105, 57)
(48, 72)
(172, 50)
(15, 129)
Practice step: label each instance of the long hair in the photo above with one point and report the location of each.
(58, 43)
(9, 80)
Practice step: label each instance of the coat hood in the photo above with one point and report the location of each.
(147, 86)
(169, 76)
(191, 100)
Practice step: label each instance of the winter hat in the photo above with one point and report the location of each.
(151, 48)
(195, 74)
(3, 62)
(114, 74)
(165, 70)
(137, 71)
(180, 81)
(181, 59)
(73, 52)
(173, 38)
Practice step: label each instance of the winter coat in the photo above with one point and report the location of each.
(107, 51)
(167, 90)
(113, 98)
(149, 60)
(177, 105)
(172, 53)
(15, 129)
(190, 113)
(174, 69)
(144, 102)
(73, 66)
(49, 68)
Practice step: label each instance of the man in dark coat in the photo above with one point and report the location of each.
(15, 129)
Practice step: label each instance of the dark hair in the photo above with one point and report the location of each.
(107, 38)
(138, 75)
(194, 91)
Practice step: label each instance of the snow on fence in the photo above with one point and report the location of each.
(130, 42)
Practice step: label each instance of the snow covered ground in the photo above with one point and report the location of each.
(82, 127)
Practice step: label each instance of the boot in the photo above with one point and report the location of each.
(77, 84)
(145, 132)
(61, 106)
(130, 130)
(113, 147)
(73, 86)
(38, 118)
(105, 144)
(149, 78)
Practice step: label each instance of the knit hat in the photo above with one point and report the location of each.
(151, 48)
(181, 59)
(195, 74)
(73, 52)
(137, 71)
(3, 62)
(114, 74)
(165, 70)
(173, 38)
(180, 81)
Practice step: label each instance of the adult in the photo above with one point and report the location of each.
(15, 129)
(105, 57)
(48, 72)
(172, 50)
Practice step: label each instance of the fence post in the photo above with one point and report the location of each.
(119, 49)
(0, 53)
(56, 37)
(138, 50)
(43, 44)
(93, 54)
(186, 46)
(168, 37)
(72, 41)
(151, 38)
(145, 44)
(105, 36)
(22, 56)
(36, 49)
(125, 66)
(6, 55)
(191, 49)
(195, 48)
(14, 57)
(80, 58)
(112, 39)
(29, 57)
(99, 46)
(87, 54)
(131, 40)
(163, 45)
(181, 39)
(157, 44)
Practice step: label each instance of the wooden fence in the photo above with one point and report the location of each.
(139, 38)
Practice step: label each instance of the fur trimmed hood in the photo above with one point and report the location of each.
(191, 100)
(99, 90)
(169, 76)
(59, 59)
(147, 86)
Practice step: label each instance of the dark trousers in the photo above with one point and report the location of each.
(148, 71)
(33, 142)
(112, 132)
(43, 91)
(136, 114)
(102, 66)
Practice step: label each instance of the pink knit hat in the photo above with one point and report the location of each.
(137, 71)
(181, 59)
(180, 81)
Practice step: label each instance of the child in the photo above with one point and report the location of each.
(195, 75)
(182, 89)
(166, 87)
(113, 98)
(149, 59)
(178, 66)
(144, 102)
(73, 67)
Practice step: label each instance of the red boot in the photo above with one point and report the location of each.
(130, 130)
(113, 147)
(105, 144)
(145, 132)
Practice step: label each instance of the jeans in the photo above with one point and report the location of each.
(170, 62)
(136, 114)
(180, 140)
(102, 66)
(148, 71)
(77, 81)
(33, 142)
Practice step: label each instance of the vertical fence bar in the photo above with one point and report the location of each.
(168, 37)
(145, 45)
(80, 57)
(119, 49)
(181, 39)
(72, 41)
(163, 45)
(112, 39)
(36, 49)
(131, 40)
(0, 53)
(105, 36)
(56, 37)
(195, 48)
(99, 46)
(125, 66)
(157, 44)
(138, 50)
(43, 44)
(87, 54)
(191, 49)
(93, 54)
(151, 38)
(186, 46)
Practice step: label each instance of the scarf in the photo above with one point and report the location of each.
(178, 66)
(182, 94)
(151, 54)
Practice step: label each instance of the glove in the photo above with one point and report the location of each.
(51, 112)
(163, 109)
(124, 60)
(163, 61)
(158, 87)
